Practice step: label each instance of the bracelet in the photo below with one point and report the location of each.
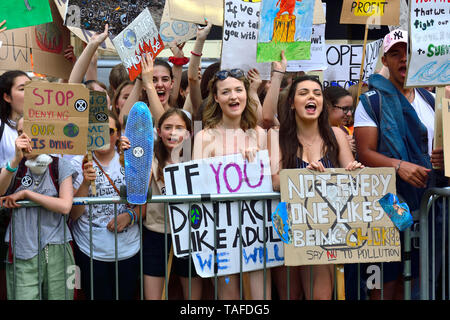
(283, 72)
(8, 167)
(196, 54)
(131, 213)
(398, 166)
(179, 61)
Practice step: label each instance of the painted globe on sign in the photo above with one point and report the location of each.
(71, 130)
(129, 39)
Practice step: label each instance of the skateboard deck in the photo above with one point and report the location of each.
(138, 159)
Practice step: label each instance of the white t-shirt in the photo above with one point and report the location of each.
(128, 243)
(7, 144)
(424, 111)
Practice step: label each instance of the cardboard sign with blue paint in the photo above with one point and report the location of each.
(138, 158)
(224, 175)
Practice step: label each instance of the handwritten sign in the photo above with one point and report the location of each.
(56, 117)
(98, 130)
(371, 12)
(140, 37)
(335, 216)
(175, 30)
(429, 59)
(25, 13)
(15, 54)
(344, 63)
(285, 25)
(318, 59)
(446, 134)
(224, 175)
(240, 30)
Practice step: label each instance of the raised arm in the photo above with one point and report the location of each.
(155, 105)
(255, 81)
(269, 108)
(177, 70)
(82, 65)
(194, 63)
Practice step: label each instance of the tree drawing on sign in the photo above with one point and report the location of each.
(284, 24)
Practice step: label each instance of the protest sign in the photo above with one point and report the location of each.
(56, 117)
(24, 13)
(223, 223)
(39, 48)
(240, 30)
(285, 25)
(140, 37)
(94, 14)
(335, 216)
(175, 30)
(371, 12)
(84, 35)
(429, 58)
(196, 11)
(48, 44)
(344, 63)
(318, 59)
(98, 130)
(446, 134)
(15, 53)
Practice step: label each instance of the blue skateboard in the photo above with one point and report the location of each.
(138, 159)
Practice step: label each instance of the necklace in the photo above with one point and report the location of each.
(410, 94)
(306, 143)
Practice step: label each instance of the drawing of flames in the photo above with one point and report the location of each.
(133, 64)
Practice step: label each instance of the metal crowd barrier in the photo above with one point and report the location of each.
(192, 199)
(434, 244)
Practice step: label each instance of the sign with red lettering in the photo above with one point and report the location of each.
(139, 38)
(208, 224)
(371, 12)
(56, 117)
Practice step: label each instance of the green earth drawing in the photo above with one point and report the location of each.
(71, 130)
(129, 39)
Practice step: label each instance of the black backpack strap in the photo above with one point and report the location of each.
(427, 96)
(54, 172)
(21, 171)
(2, 128)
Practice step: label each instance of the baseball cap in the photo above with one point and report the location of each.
(393, 37)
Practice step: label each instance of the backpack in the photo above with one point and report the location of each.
(374, 100)
(22, 170)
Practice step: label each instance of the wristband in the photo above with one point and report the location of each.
(398, 166)
(179, 61)
(8, 167)
(132, 217)
(196, 54)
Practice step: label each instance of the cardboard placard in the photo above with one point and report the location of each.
(240, 30)
(428, 61)
(335, 217)
(175, 30)
(371, 12)
(140, 37)
(15, 54)
(446, 134)
(98, 130)
(223, 175)
(24, 13)
(56, 117)
(285, 25)
(196, 11)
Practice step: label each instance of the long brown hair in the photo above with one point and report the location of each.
(212, 113)
(288, 141)
(117, 94)
(161, 153)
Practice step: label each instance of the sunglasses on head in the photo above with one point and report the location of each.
(235, 73)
